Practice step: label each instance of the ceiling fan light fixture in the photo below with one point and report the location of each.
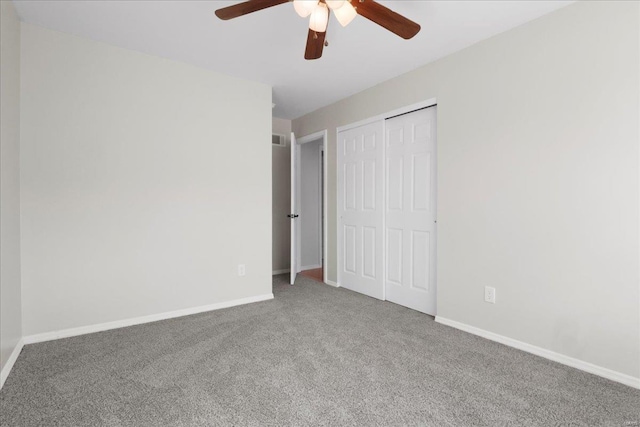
(335, 4)
(319, 18)
(304, 7)
(345, 14)
(319, 13)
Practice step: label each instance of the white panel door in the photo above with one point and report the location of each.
(410, 217)
(360, 209)
(294, 209)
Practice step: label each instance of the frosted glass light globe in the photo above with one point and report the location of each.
(335, 4)
(319, 18)
(345, 14)
(304, 7)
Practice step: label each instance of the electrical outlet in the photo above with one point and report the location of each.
(241, 270)
(490, 294)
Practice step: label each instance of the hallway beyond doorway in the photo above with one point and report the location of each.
(315, 274)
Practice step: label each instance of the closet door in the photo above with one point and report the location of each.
(360, 209)
(410, 210)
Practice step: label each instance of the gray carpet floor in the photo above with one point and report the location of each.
(313, 356)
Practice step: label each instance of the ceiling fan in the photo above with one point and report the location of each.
(319, 10)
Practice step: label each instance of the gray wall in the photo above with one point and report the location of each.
(143, 188)
(537, 179)
(310, 205)
(10, 303)
(281, 198)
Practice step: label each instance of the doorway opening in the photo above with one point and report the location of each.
(311, 210)
(309, 207)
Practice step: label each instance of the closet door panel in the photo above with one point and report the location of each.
(360, 209)
(411, 210)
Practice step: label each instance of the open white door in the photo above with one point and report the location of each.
(294, 208)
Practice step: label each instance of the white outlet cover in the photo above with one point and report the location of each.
(490, 294)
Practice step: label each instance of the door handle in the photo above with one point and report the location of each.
(293, 216)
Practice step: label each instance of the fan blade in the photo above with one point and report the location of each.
(386, 18)
(315, 44)
(246, 7)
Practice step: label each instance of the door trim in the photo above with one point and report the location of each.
(324, 134)
(431, 102)
(403, 110)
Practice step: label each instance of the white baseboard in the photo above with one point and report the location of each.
(276, 272)
(547, 354)
(310, 267)
(330, 283)
(10, 362)
(66, 333)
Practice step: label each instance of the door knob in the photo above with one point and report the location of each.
(293, 216)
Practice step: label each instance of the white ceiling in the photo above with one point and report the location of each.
(268, 45)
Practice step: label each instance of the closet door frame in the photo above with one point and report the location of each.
(379, 118)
